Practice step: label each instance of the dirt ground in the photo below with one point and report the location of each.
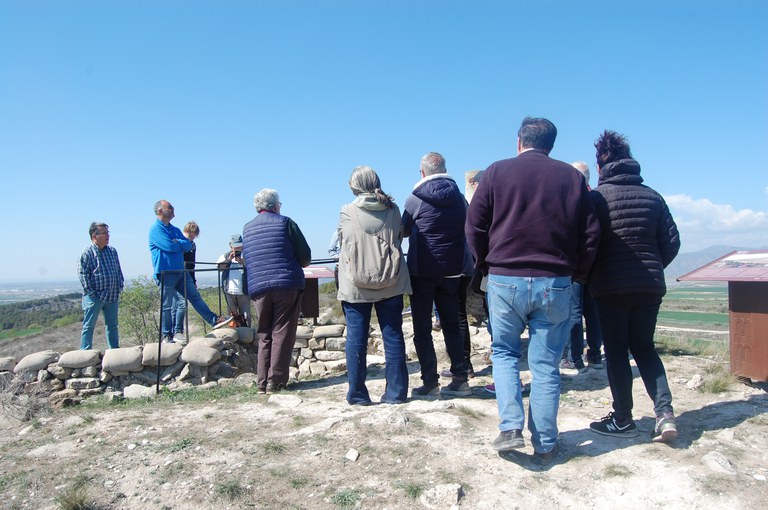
(291, 450)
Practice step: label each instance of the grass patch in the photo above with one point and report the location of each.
(412, 490)
(717, 380)
(298, 421)
(298, 482)
(469, 412)
(274, 447)
(230, 490)
(74, 497)
(615, 471)
(181, 444)
(682, 346)
(346, 499)
(88, 419)
(10, 334)
(690, 317)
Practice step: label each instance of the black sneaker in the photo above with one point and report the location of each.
(508, 440)
(609, 426)
(596, 363)
(544, 459)
(457, 388)
(425, 392)
(580, 366)
(666, 428)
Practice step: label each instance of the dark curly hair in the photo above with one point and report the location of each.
(611, 146)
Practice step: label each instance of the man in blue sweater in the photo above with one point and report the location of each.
(532, 228)
(167, 245)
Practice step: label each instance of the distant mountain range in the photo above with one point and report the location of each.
(687, 262)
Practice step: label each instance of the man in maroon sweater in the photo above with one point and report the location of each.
(532, 228)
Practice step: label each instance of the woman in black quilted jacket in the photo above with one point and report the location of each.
(639, 239)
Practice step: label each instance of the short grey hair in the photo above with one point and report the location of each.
(158, 206)
(95, 226)
(266, 200)
(582, 167)
(433, 163)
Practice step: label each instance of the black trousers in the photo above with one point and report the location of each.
(628, 323)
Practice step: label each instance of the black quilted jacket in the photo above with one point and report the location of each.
(639, 237)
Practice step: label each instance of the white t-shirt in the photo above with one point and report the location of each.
(234, 283)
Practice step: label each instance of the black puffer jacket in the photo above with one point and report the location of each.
(639, 237)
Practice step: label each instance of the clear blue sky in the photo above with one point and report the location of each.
(108, 106)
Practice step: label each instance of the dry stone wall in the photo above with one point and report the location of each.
(220, 357)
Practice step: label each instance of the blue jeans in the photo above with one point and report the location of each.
(543, 304)
(174, 284)
(390, 314)
(91, 308)
(178, 312)
(444, 293)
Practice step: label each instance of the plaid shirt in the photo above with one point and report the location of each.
(100, 273)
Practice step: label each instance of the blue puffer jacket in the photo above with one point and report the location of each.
(270, 258)
(433, 219)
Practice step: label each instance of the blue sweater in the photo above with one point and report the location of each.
(167, 245)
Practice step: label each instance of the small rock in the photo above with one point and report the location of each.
(352, 455)
(696, 382)
(442, 496)
(719, 463)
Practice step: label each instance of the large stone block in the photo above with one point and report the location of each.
(124, 359)
(336, 366)
(246, 335)
(329, 330)
(303, 332)
(138, 391)
(36, 361)
(317, 368)
(335, 343)
(301, 342)
(228, 334)
(80, 359)
(200, 355)
(317, 343)
(169, 354)
(82, 383)
(59, 372)
(209, 341)
(329, 355)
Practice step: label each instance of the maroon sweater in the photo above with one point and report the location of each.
(532, 216)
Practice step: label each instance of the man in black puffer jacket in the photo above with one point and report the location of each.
(639, 239)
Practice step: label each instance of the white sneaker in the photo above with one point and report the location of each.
(180, 338)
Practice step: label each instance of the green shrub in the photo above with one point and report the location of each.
(139, 311)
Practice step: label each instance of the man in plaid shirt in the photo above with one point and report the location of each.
(102, 281)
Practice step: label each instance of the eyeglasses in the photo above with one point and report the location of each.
(102, 233)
